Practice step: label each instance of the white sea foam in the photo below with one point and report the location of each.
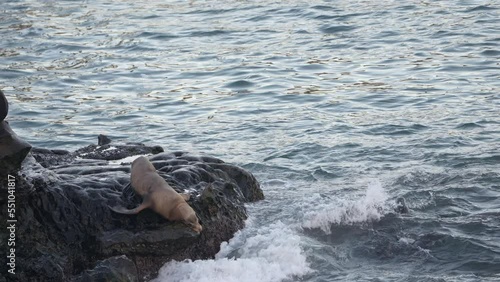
(407, 241)
(111, 148)
(271, 253)
(370, 207)
(126, 160)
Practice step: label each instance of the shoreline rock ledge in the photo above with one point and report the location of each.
(66, 232)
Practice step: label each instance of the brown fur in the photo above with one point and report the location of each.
(159, 196)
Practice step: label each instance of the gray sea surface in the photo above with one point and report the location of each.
(337, 107)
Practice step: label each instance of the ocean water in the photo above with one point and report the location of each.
(337, 107)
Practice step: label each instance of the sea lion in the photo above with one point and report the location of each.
(159, 196)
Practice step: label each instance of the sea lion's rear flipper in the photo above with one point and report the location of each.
(185, 196)
(120, 209)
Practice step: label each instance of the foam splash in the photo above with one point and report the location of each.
(125, 160)
(369, 208)
(272, 254)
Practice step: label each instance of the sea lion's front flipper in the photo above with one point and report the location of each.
(120, 209)
(185, 196)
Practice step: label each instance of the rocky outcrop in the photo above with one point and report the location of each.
(66, 231)
(13, 149)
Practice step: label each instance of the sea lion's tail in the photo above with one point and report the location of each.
(120, 209)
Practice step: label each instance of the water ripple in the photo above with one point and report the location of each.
(315, 95)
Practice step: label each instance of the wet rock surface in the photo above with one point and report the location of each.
(68, 233)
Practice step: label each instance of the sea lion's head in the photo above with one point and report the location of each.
(142, 165)
(185, 213)
(193, 222)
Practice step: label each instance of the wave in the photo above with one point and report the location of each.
(370, 207)
(272, 253)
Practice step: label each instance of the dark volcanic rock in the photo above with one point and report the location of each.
(4, 106)
(13, 149)
(103, 140)
(67, 231)
(119, 268)
(401, 206)
(109, 152)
